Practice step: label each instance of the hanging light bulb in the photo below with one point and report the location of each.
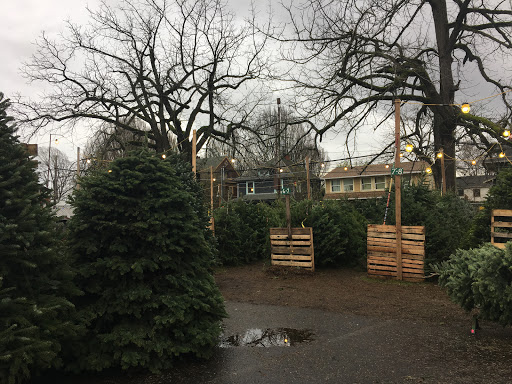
(281, 170)
(439, 155)
(465, 108)
(233, 161)
(88, 161)
(428, 170)
(109, 171)
(473, 162)
(163, 156)
(56, 141)
(387, 166)
(506, 133)
(501, 155)
(322, 165)
(401, 155)
(346, 168)
(409, 147)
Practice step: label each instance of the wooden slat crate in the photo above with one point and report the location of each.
(501, 227)
(381, 255)
(297, 251)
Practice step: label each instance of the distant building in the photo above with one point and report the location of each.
(363, 182)
(267, 181)
(224, 175)
(474, 188)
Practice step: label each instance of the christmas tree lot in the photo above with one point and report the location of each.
(138, 238)
(36, 315)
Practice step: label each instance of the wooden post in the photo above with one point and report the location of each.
(443, 174)
(278, 145)
(308, 179)
(211, 189)
(398, 194)
(194, 154)
(77, 167)
(288, 216)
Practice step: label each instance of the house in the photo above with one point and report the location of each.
(474, 188)
(499, 158)
(269, 180)
(363, 182)
(224, 174)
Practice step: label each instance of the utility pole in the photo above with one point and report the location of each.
(307, 176)
(194, 154)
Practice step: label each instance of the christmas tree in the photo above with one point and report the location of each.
(36, 316)
(139, 242)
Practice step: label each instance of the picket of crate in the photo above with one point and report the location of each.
(382, 256)
(501, 227)
(294, 251)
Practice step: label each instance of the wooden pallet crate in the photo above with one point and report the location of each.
(501, 227)
(297, 251)
(381, 252)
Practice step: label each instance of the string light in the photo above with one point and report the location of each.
(409, 147)
(233, 160)
(281, 170)
(428, 170)
(346, 168)
(465, 108)
(163, 156)
(501, 155)
(473, 162)
(88, 161)
(387, 166)
(401, 155)
(109, 171)
(439, 155)
(506, 133)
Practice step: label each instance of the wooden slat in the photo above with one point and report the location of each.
(413, 229)
(292, 243)
(291, 257)
(502, 212)
(293, 251)
(503, 235)
(499, 245)
(294, 237)
(501, 224)
(292, 263)
(410, 236)
(295, 231)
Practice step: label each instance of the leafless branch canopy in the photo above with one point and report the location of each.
(174, 65)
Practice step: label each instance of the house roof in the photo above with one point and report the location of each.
(290, 169)
(206, 163)
(467, 182)
(375, 170)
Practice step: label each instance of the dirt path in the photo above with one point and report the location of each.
(340, 290)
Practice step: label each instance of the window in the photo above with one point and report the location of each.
(476, 192)
(250, 187)
(366, 184)
(336, 186)
(380, 182)
(348, 185)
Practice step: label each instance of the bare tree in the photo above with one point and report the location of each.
(272, 138)
(353, 58)
(56, 172)
(175, 65)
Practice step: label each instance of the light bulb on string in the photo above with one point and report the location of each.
(409, 147)
(428, 170)
(473, 162)
(465, 108)
(346, 168)
(163, 156)
(401, 155)
(387, 166)
(56, 141)
(506, 133)
(501, 155)
(439, 155)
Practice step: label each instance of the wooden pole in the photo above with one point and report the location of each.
(278, 142)
(194, 154)
(443, 174)
(398, 194)
(288, 216)
(212, 220)
(77, 167)
(308, 179)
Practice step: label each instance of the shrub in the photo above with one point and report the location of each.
(143, 262)
(480, 279)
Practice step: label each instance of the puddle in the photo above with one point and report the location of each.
(280, 337)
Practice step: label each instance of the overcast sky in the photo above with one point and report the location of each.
(23, 22)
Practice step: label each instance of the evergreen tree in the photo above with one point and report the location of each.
(139, 242)
(35, 279)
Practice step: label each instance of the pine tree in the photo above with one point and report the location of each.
(139, 242)
(35, 278)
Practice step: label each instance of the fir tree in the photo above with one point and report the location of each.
(139, 242)
(35, 279)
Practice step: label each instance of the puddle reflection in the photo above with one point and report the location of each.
(280, 337)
